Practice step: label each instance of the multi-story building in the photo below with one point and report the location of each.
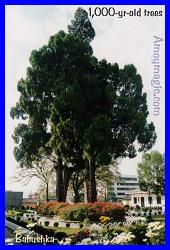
(125, 184)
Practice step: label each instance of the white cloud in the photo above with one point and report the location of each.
(21, 30)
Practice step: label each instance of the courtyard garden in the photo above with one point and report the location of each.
(100, 223)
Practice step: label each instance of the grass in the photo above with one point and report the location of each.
(70, 231)
(66, 230)
(160, 218)
(12, 213)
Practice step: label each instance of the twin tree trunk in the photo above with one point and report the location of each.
(63, 175)
(90, 180)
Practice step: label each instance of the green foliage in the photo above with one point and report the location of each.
(98, 139)
(151, 173)
(139, 232)
(46, 223)
(95, 111)
(93, 212)
(50, 208)
(81, 26)
(155, 233)
(118, 230)
(44, 231)
(13, 213)
(138, 208)
(83, 211)
(75, 213)
(56, 224)
(149, 218)
(60, 235)
(80, 236)
(159, 238)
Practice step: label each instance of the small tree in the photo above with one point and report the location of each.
(151, 173)
(106, 176)
(41, 169)
(41, 190)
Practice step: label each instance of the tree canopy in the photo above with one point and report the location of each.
(151, 173)
(81, 26)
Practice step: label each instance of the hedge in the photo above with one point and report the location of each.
(81, 211)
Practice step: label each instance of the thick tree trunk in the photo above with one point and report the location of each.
(76, 196)
(67, 172)
(76, 186)
(105, 194)
(90, 180)
(47, 195)
(63, 175)
(87, 182)
(59, 180)
(92, 191)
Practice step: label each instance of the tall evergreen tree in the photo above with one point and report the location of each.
(81, 26)
(83, 111)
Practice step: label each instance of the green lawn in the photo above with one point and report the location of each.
(66, 230)
(158, 217)
(12, 213)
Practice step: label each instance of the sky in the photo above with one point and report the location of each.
(126, 40)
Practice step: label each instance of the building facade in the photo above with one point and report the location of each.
(30, 203)
(13, 199)
(125, 184)
(145, 199)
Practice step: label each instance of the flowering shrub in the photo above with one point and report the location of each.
(74, 212)
(105, 234)
(50, 208)
(80, 236)
(93, 211)
(122, 239)
(81, 211)
(155, 233)
(139, 232)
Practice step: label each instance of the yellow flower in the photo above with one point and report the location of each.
(104, 219)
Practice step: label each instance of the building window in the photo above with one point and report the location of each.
(128, 179)
(120, 193)
(150, 199)
(122, 188)
(158, 198)
(135, 200)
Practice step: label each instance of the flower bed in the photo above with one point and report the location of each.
(50, 208)
(81, 211)
(105, 233)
